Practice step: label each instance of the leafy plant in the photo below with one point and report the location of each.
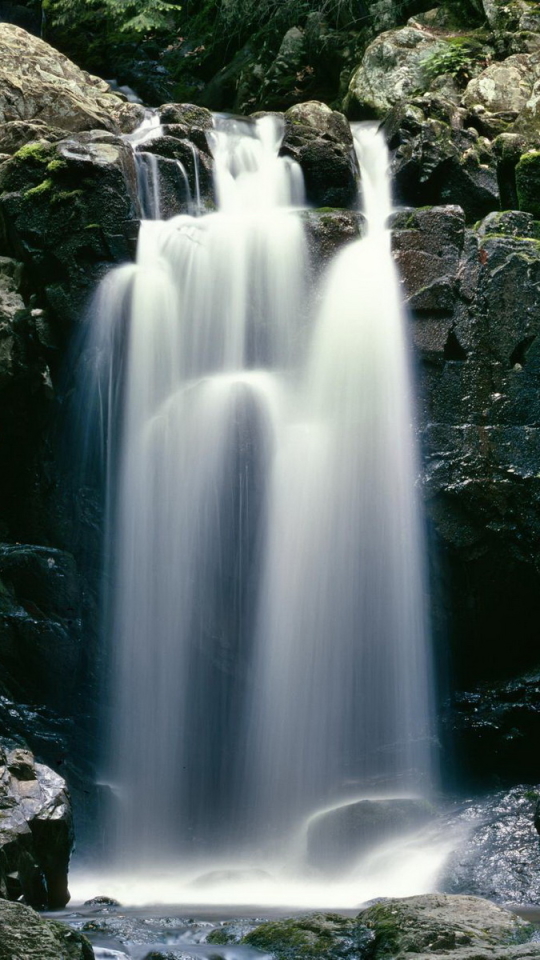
(452, 60)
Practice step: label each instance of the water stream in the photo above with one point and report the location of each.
(265, 560)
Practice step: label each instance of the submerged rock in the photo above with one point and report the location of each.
(36, 831)
(337, 838)
(24, 935)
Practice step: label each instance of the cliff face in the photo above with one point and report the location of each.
(460, 107)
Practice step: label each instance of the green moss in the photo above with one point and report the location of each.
(220, 937)
(37, 152)
(317, 937)
(63, 196)
(532, 795)
(40, 189)
(528, 182)
(54, 166)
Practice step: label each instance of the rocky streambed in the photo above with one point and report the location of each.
(434, 926)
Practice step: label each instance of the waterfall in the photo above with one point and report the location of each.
(266, 613)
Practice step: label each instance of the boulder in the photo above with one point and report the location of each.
(504, 87)
(38, 82)
(319, 139)
(36, 831)
(338, 838)
(438, 926)
(24, 935)
(393, 69)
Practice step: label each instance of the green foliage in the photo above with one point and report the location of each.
(136, 17)
(454, 60)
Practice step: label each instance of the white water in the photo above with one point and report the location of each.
(267, 611)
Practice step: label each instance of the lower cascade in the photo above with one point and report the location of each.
(265, 594)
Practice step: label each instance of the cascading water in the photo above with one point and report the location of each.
(266, 612)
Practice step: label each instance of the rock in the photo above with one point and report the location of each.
(438, 926)
(537, 816)
(494, 728)
(528, 182)
(436, 160)
(40, 607)
(24, 935)
(499, 854)
(393, 70)
(326, 231)
(36, 831)
(320, 141)
(68, 210)
(102, 902)
(186, 114)
(38, 82)
(511, 15)
(316, 937)
(195, 163)
(338, 838)
(503, 87)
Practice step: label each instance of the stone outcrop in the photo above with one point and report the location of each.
(24, 935)
(36, 832)
(319, 139)
(39, 83)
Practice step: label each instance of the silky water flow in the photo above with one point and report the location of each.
(265, 557)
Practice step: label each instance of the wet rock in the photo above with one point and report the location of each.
(438, 926)
(336, 839)
(315, 937)
(102, 902)
(494, 727)
(37, 81)
(39, 610)
(393, 70)
(24, 934)
(320, 141)
(180, 160)
(499, 853)
(327, 231)
(68, 211)
(36, 831)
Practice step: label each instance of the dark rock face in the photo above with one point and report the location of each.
(36, 831)
(24, 934)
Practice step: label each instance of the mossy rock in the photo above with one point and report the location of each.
(438, 925)
(528, 182)
(317, 937)
(24, 935)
